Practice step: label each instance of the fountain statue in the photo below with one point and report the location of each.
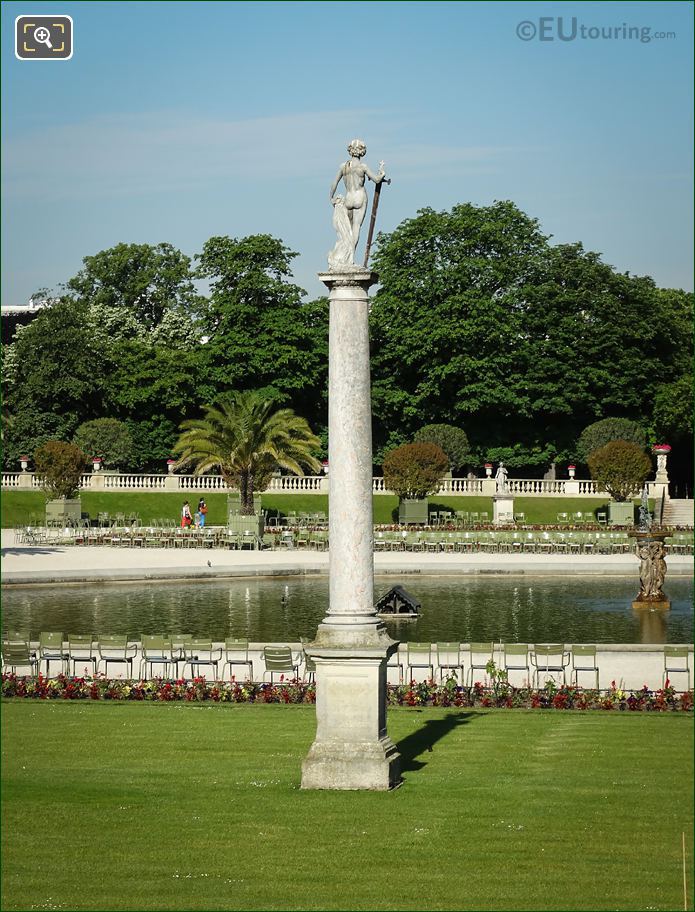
(649, 547)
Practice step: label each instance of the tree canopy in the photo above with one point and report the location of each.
(599, 433)
(452, 440)
(479, 322)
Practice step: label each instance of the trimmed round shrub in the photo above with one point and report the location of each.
(598, 434)
(621, 467)
(415, 470)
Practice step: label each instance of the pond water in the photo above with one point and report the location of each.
(565, 609)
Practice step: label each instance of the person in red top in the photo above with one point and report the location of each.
(186, 518)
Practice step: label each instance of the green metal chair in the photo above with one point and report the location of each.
(51, 650)
(156, 650)
(18, 655)
(516, 658)
(178, 649)
(418, 655)
(479, 655)
(200, 651)
(449, 659)
(280, 660)
(396, 661)
(309, 664)
(549, 660)
(676, 661)
(584, 659)
(236, 652)
(114, 648)
(81, 649)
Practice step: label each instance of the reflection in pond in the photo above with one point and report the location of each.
(543, 609)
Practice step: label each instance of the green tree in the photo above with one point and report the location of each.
(480, 322)
(59, 467)
(147, 280)
(260, 334)
(445, 323)
(106, 437)
(245, 436)
(673, 410)
(621, 467)
(600, 433)
(452, 440)
(415, 470)
(55, 377)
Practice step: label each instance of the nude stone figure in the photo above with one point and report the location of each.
(353, 173)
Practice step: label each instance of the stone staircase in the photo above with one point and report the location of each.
(679, 513)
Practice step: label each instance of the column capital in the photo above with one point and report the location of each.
(349, 277)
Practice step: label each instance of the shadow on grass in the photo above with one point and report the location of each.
(422, 740)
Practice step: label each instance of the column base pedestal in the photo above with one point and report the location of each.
(502, 509)
(351, 765)
(352, 749)
(652, 605)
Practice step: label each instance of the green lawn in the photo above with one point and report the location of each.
(141, 806)
(18, 507)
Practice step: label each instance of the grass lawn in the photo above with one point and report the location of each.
(18, 507)
(144, 806)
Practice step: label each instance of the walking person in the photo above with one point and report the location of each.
(186, 518)
(202, 512)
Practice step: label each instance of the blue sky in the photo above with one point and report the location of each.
(179, 121)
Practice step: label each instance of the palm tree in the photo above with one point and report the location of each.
(247, 437)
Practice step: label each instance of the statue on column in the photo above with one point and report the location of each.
(349, 210)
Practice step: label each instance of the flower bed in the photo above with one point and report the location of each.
(551, 696)
(157, 690)
(427, 693)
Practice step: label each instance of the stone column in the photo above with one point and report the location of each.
(352, 749)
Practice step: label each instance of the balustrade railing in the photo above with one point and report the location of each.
(314, 484)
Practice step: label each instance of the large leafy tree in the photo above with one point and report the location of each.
(146, 280)
(55, 377)
(245, 435)
(481, 322)
(445, 323)
(260, 334)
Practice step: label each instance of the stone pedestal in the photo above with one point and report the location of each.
(502, 509)
(352, 749)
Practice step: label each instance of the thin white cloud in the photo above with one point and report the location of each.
(174, 152)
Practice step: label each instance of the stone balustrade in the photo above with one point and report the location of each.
(317, 484)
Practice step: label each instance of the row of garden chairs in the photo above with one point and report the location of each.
(504, 542)
(177, 652)
(168, 654)
(539, 661)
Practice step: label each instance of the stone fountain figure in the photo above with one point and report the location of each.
(649, 548)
